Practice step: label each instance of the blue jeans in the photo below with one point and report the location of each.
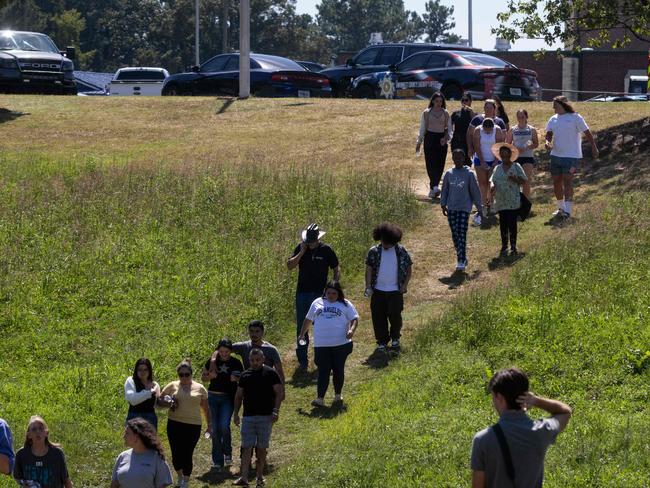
(303, 302)
(150, 417)
(221, 408)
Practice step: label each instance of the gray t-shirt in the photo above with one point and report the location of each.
(271, 354)
(528, 441)
(146, 470)
(50, 471)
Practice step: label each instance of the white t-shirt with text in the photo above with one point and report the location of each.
(567, 135)
(331, 321)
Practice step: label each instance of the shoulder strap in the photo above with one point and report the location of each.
(505, 451)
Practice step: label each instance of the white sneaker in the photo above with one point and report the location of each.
(318, 402)
(476, 221)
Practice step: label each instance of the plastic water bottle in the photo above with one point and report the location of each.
(207, 435)
(302, 342)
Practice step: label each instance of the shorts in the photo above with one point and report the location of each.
(256, 431)
(477, 162)
(523, 161)
(562, 166)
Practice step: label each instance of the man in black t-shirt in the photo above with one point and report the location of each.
(313, 260)
(261, 391)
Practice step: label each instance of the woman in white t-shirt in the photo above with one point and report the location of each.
(564, 138)
(335, 320)
(485, 136)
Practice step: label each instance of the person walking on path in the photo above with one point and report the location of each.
(186, 400)
(564, 138)
(313, 259)
(7, 456)
(142, 392)
(143, 465)
(485, 136)
(335, 320)
(460, 120)
(222, 370)
(524, 137)
(489, 112)
(511, 452)
(459, 191)
(506, 181)
(435, 128)
(40, 460)
(256, 341)
(261, 391)
(388, 272)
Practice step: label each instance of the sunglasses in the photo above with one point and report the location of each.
(184, 375)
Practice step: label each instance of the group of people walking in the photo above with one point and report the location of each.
(504, 164)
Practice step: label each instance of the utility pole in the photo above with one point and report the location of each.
(224, 26)
(197, 56)
(244, 49)
(469, 23)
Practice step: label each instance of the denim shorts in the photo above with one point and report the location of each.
(477, 162)
(562, 166)
(256, 431)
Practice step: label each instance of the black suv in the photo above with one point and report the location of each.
(378, 57)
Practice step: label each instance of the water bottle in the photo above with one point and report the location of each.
(302, 342)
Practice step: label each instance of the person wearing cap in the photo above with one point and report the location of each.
(7, 456)
(506, 181)
(313, 259)
(459, 192)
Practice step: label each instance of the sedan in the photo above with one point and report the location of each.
(271, 76)
(451, 72)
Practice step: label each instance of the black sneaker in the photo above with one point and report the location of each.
(514, 252)
(503, 253)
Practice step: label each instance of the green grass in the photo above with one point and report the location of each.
(575, 316)
(102, 264)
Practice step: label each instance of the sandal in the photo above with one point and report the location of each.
(240, 482)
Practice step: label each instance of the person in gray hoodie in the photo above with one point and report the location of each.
(459, 191)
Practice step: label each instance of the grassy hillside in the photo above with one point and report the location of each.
(576, 316)
(155, 226)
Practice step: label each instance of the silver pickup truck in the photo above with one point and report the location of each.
(137, 81)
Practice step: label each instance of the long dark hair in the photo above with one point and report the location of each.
(437, 95)
(335, 285)
(147, 434)
(562, 100)
(501, 110)
(36, 419)
(136, 379)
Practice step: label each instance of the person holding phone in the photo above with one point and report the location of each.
(222, 370)
(142, 392)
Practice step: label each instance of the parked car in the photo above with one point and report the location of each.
(30, 62)
(377, 58)
(619, 98)
(312, 66)
(271, 76)
(137, 81)
(452, 72)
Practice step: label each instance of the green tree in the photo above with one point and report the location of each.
(565, 20)
(66, 31)
(438, 21)
(22, 15)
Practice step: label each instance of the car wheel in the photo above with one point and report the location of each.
(452, 92)
(170, 91)
(365, 91)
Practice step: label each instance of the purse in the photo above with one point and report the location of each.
(524, 207)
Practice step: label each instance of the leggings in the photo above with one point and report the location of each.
(508, 226)
(386, 306)
(182, 441)
(331, 359)
(458, 225)
(434, 156)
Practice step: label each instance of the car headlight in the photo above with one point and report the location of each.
(67, 65)
(8, 63)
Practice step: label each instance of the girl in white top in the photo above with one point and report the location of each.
(485, 136)
(142, 392)
(435, 132)
(335, 321)
(524, 137)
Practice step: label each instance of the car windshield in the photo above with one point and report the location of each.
(483, 60)
(26, 41)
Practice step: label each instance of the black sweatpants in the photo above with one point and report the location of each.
(182, 441)
(386, 306)
(434, 156)
(508, 227)
(331, 359)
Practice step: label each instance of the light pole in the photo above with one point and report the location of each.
(469, 23)
(197, 57)
(244, 49)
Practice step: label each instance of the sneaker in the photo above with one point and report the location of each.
(560, 214)
(318, 402)
(240, 482)
(184, 483)
(261, 483)
(436, 192)
(227, 461)
(432, 193)
(381, 348)
(476, 221)
(216, 468)
(394, 344)
(338, 398)
(514, 252)
(503, 253)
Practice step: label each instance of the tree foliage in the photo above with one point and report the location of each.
(566, 20)
(438, 21)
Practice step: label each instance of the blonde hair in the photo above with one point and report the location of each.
(37, 419)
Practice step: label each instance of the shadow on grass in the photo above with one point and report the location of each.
(225, 105)
(7, 115)
(560, 222)
(325, 412)
(457, 278)
(226, 477)
(302, 378)
(379, 359)
(489, 221)
(297, 104)
(505, 262)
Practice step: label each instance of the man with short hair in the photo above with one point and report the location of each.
(261, 391)
(511, 452)
(313, 259)
(271, 354)
(7, 456)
